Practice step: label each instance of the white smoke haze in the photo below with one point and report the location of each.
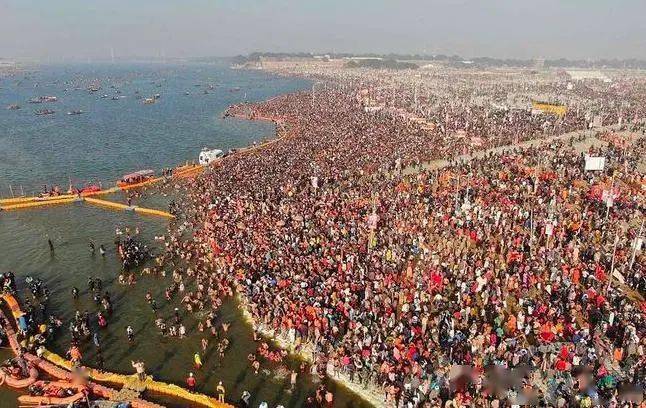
(78, 29)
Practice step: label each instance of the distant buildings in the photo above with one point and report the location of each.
(581, 75)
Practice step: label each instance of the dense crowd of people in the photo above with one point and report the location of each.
(37, 324)
(132, 252)
(507, 278)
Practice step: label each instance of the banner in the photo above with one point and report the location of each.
(558, 110)
(594, 163)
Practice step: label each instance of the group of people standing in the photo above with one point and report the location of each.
(392, 278)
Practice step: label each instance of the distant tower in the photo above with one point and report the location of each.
(539, 63)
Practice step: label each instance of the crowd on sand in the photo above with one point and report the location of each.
(513, 278)
(510, 278)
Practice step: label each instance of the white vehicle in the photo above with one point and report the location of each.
(207, 156)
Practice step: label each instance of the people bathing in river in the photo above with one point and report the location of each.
(94, 284)
(191, 382)
(101, 320)
(269, 355)
(99, 361)
(220, 392)
(106, 303)
(130, 334)
(96, 340)
(132, 252)
(390, 277)
(8, 282)
(244, 399)
(75, 354)
(140, 368)
(197, 361)
(255, 363)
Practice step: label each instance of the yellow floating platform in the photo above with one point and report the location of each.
(130, 381)
(40, 203)
(149, 384)
(187, 171)
(96, 201)
(150, 211)
(101, 192)
(106, 203)
(20, 200)
(119, 206)
(18, 203)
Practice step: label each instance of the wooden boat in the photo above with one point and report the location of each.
(13, 382)
(135, 178)
(53, 392)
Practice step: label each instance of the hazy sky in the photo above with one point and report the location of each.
(500, 28)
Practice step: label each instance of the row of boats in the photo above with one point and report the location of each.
(42, 112)
(128, 180)
(96, 88)
(42, 99)
(141, 177)
(137, 178)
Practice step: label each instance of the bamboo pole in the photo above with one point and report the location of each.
(632, 256)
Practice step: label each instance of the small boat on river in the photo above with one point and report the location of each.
(137, 177)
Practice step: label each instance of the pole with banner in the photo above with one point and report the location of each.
(636, 243)
(612, 263)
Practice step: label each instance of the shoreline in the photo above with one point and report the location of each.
(289, 126)
(372, 393)
(60, 368)
(181, 171)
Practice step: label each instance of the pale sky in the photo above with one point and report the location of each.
(56, 29)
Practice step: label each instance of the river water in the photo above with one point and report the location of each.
(111, 138)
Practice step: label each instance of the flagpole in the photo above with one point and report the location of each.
(632, 257)
(457, 190)
(610, 194)
(612, 264)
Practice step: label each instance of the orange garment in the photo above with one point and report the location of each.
(511, 324)
(75, 354)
